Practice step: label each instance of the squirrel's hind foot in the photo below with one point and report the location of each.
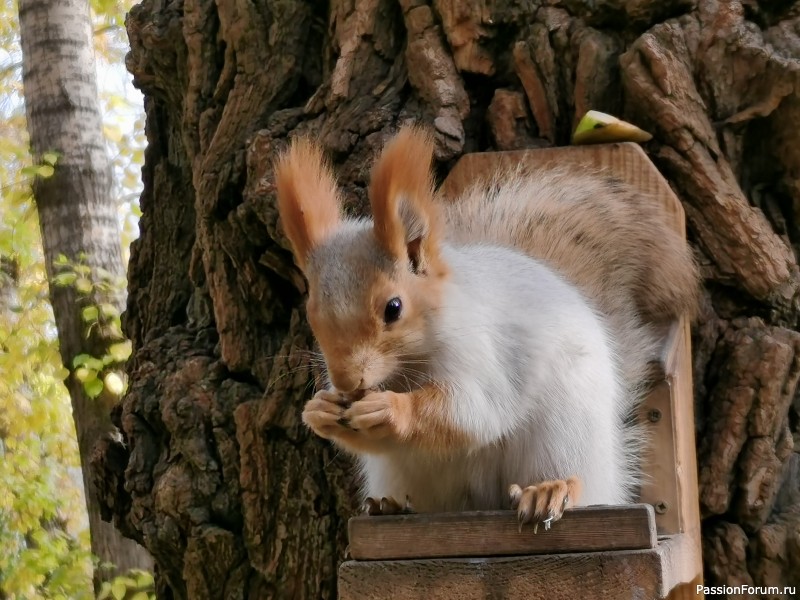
(386, 506)
(545, 502)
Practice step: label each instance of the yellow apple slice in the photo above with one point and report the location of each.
(599, 128)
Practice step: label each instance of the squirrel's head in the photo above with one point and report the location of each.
(373, 286)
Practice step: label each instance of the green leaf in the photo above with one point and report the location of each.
(89, 314)
(114, 330)
(121, 351)
(109, 310)
(94, 363)
(93, 388)
(45, 171)
(118, 589)
(65, 278)
(50, 157)
(83, 374)
(145, 579)
(38, 171)
(105, 591)
(140, 596)
(80, 359)
(83, 285)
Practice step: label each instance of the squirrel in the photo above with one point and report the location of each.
(485, 352)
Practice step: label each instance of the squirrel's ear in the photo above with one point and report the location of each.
(401, 195)
(308, 199)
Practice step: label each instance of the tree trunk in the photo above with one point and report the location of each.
(8, 283)
(221, 482)
(76, 215)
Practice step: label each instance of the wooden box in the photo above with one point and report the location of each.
(644, 551)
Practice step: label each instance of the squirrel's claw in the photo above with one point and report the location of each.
(543, 503)
(386, 506)
(371, 507)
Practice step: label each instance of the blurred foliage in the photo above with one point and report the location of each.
(42, 518)
(97, 373)
(44, 546)
(135, 585)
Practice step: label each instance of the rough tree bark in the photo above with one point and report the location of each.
(76, 214)
(219, 480)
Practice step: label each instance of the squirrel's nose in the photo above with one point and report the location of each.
(346, 382)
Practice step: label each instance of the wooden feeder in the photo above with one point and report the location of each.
(643, 551)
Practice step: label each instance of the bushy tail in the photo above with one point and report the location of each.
(612, 242)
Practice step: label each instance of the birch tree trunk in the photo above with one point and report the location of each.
(221, 482)
(76, 214)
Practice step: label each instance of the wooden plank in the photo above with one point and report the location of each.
(624, 574)
(678, 367)
(656, 413)
(496, 533)
(627, 161)
(660, 484)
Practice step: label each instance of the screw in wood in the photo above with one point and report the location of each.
(654, 415)
(661, 507)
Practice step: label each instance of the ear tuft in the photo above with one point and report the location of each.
(401, 193)
(308, 198)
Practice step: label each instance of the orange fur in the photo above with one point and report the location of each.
(308, 199)
(338, 336)
(433, 430)
(403, 174)
(385, 418)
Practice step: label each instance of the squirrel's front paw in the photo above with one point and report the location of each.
(545, 502)
(380, 415)
(324, 414)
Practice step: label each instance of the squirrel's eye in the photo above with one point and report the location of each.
(393, 309)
